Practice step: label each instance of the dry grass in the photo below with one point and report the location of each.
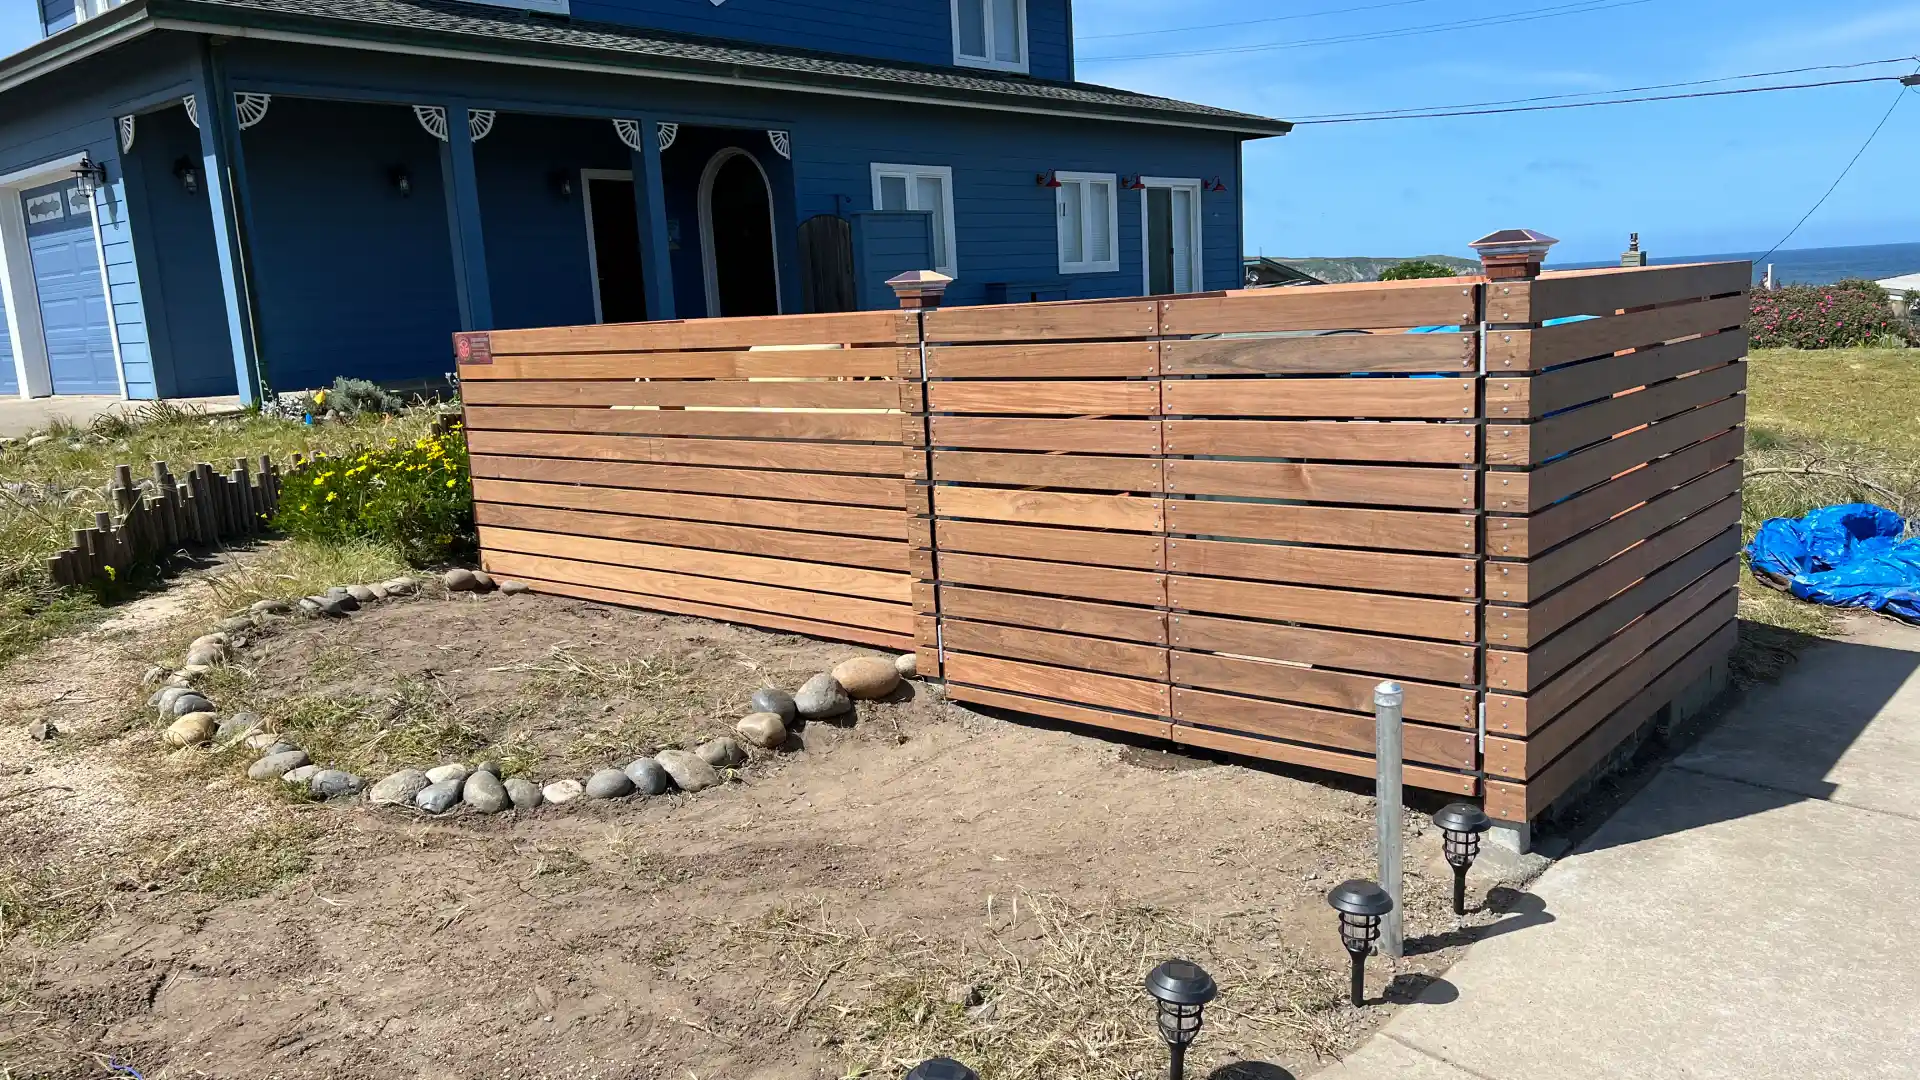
(661, 700)
(1058, 987)
(289, 568)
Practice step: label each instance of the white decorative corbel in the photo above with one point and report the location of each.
(629, 132)
(480, 123)
(782, 143)
(251, 108)
(126, 133)
(666, 133)
(433, 118)
(193, 109)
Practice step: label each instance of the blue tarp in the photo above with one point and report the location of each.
(1843, 556)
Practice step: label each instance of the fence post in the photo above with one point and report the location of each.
(920, 291)
(1388, 698)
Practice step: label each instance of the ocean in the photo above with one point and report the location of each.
(1807, 266)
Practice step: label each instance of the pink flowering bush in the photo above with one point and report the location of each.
(1841, 315)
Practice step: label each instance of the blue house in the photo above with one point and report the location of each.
(201, 196)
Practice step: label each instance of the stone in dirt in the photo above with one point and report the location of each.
(775, 700)
(514, 588)
(562, 791)
(688, 771)
(234, 624)
(260, 740)
(609, 784)
(336, 607)
(379, 591)
(721, 753)
(764, 729)
(189, 702)
(524, 793)
(335, 592)
(649, 778)
(488, 767)
(439, 798)
(274, 766)
(196, 669)
(821, 696)
(907, 665)
(153, 675)
(193, 729)
(41, 730)
(483, 581)
(866, 678)
(218, 637)
(400, 586)
(270, 607)
(485, 793)
(206, 655)
(458, 580)
(163, 697)
(281, 745)
(333, 783)
(447, 772)
(400, 788)
(39, 440)
(240, 723)
(361, 594)
(302, 775)
(309, 605)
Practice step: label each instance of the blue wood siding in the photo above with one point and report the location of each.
(536, 238)
(916, 31)
(887, 243)
(56, 15)
(179, 270)
(352, 276)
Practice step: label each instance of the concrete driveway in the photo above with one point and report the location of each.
(1751, 914)
(19, 417)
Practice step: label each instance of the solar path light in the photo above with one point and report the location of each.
(1183, 989)
(1361, 905)
(942, 1068)
(1460, 826)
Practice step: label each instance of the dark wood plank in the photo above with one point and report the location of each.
(1398, 304)
(1380, 485)
(1525, 537)
(1136, 551)
(1560, 293)
(1408, 616)
(1537, 489)
(1376, 654)
(776, 543)
(734, 333)
(1526, 444)
(873, 491)
(1392, 529)
(1309, 398)
(1085, 471)
(1053, 613)
(1389, 352)
(1350, 440)
(1076, 319)
(1451, 706)
(1421, 575)
(1060, 684)
(1519, 397)
(873, 394)
(1111, 359)
(724, 510)
(1567, 342)
(800, 457)
(759, 424)
(1052, 398)
(1064, 650)
(1352, 732)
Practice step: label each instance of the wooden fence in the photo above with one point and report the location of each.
(1216, 519)
(151, 520)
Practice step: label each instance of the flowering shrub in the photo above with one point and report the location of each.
(1841, 315)
(415, 496)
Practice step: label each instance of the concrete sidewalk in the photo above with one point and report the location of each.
(1752, 913)
(20, 416)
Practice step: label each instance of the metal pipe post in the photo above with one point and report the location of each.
(1388, 698)
(1176, 1061)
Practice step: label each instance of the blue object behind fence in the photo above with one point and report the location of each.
(1844, 556)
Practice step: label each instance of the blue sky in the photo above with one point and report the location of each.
(1693, 177)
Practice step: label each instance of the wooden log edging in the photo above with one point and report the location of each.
(152, 519)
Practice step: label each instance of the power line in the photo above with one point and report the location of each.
(1898, 96)
(1252, 22)
(1421, 109)
(1596, 104)
(1580, 7)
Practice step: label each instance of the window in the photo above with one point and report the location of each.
(1087, 219)
(1170, 235)
(921, 187)
(990, 34)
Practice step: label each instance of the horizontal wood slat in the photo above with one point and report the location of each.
(1423, 575)
(1522, 397)
(1448, 705)
(1055, 613)
(737, 364)
(768, 512)
(1539, 488)
(1082, 319)
(777, 543)
(1519, 537)
(1373, 653)
(1374, 399)
(1139, 725)
(1377, 353)
(850, 427)
(1063, 398)
(1320, 727)
(1315, 758)
(800, 457)
(791, 574)
(1137, 551)
(1064, 650)
(828, 329)
(1118, 359)
(874, 491)
(1384, 485)
(1362, 305)
(1061, 684)
(1551, 346)
(1128, 512)
(1048, 470)
(1399, 615)
(874, 395)
(1523, 444)
(1396, 529)
(1357, 440)
(1561, 293)
(1049, 433)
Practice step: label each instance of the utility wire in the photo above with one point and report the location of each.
(1420, 109)
(1252, 22)
(1580, 7)
(1596, 104)
(1898, 96)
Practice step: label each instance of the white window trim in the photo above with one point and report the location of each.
(945, 173)
(1198, 262)
(986, 15)
(1103, 266)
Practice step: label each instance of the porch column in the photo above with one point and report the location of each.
(463, 222)
(649, 190)
(219, 140)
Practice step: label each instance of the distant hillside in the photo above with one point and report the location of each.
(1334, 271)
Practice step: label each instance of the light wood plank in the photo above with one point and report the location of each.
(1380, 485)
(1059, 398)
(1445, 620)
(1044, 321)
(1137, 474)
(1126, 512)
(872, 491)
(1370, 304)
(1318, 727)
(875, 395)
(1060, 684)
(1064, 650)
(1448, 705)
(1055, 579)
(1421, 575)
(769, 513)
(800, 457)
(780, 544)
(837, 328)
(1352, 440)
(1137, 551)
(788, 574)
(1309, 398)
(846, 427)
(1381, 353)
(1393, 529)
(781, 364)
(1115, 359)
(1049, 433)
(1052, 613)
(1402, 658)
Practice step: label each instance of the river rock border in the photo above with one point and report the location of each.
(444, 788)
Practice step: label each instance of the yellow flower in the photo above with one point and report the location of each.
(449, 483)
(303, 507)
(332, 495)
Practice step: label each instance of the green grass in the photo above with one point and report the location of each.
(49, 491)
(1823, 427)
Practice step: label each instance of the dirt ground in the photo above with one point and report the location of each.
(926, 880)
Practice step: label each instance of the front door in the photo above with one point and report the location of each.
(613, 239)
(737, 232)
(1172, 238)
(73, 299)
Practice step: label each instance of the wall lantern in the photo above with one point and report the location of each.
(1183, 989)
(1360, 904)
(90, 175)
(1460, 826)
(1215, 184)
(1047, 179)
(942, 1068)
(1132, 183)
(188, 176)
(402, 183)
(562, 181)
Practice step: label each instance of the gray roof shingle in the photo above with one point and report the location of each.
(497, 30)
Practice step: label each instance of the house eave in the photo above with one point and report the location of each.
(118, 25)
(294, 29)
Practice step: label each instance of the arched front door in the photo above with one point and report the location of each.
(736, 236)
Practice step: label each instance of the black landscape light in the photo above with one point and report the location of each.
(941, 1068)
(1183, 989)
(1460, 825)
(1360, 904)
